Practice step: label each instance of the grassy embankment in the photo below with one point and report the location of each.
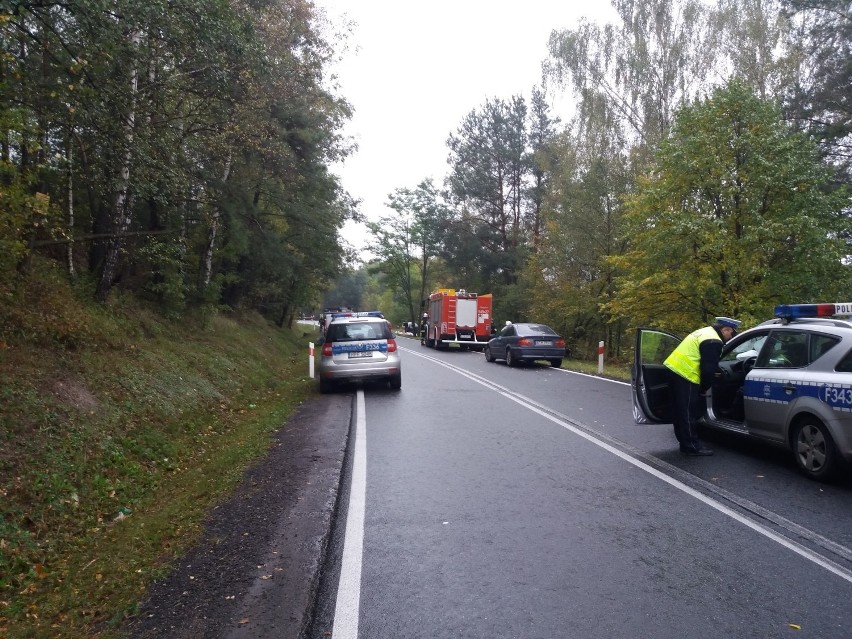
(119, 430)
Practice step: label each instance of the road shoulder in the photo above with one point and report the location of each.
(256, 569)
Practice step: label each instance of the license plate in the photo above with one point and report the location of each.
(354, 354)
(545, 343)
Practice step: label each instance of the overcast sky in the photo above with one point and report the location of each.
(413, 70)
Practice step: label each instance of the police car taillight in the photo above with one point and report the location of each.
(326, 349)
(801, 311)
(391, 346)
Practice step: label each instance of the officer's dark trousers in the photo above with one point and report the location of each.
(687, 408)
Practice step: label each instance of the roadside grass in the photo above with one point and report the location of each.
(119, 431)
(613, 370)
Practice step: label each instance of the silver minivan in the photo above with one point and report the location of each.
(787, 381)
(358, 349)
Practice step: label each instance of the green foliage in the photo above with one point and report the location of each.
(733, 219)
(191, 141)
(166, 280)
(348, 291)
(570, 277)
(26, 216)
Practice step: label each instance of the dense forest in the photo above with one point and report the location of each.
(182, 151)
(179, 150)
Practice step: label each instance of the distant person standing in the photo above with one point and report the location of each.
(692, 366)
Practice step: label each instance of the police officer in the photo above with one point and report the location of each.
(692, 366)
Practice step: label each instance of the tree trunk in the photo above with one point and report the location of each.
(121, 210)
(69, 250)
(214, 229)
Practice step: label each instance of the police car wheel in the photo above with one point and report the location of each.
(814, 449)
(325, 386)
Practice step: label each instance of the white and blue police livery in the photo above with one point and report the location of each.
(787, 381)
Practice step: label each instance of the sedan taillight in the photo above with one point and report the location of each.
(560, 343)
(525, 342)
(391, 346)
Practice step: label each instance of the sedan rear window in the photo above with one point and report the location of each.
(535, 329)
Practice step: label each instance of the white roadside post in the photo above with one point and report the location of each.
(311, 360)
(600, 357)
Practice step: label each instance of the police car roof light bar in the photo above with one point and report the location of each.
(802, 311)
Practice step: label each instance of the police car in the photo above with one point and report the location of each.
(787, 381)
(358, 347)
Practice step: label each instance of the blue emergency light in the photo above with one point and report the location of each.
(801, 311)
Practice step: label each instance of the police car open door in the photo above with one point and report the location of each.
(650, 378)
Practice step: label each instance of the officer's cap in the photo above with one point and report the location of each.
(729, 322)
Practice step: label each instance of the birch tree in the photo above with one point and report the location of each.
(120, 215)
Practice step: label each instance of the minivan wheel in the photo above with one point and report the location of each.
(814, 449)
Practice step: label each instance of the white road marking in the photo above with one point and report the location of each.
(349, 589)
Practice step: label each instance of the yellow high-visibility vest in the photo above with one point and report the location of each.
(685, 360)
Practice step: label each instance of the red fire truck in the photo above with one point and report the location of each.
(456, 317)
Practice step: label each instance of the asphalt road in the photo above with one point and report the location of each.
(524, 502)
(484, 501)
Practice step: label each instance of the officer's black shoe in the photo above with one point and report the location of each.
(697, 452)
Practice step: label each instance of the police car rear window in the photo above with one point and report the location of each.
(354, 331)
(821, 344)
(845, 365)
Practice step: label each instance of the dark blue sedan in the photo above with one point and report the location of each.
(519, 343)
